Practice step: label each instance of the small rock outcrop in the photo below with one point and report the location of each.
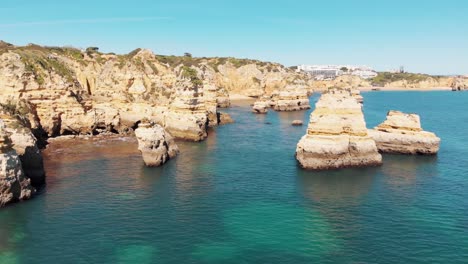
(293, 98)
(402, 133)
(224, 119)
(260, 107)
(156, 145)
(337, 135)
(14, 185)
(297, 123)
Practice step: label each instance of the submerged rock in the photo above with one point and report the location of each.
(156, 145)
(402, 133)
(14, 185)
(337, 136)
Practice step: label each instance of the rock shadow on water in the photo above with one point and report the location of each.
(281, 230)
(403, 170)
(336, 187)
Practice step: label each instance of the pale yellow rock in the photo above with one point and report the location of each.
(260, 107)
(402, 133)
(187, 117)
(14, 185)
(156, 145)
(337, 136)
(25, 145)
(293, 98)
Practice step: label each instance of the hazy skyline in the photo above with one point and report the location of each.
(424, 36)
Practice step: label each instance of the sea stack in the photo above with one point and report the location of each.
(402, 133)
(187, 117)
(14, 185)
(293, 98)
(156, 145)
(337, 135)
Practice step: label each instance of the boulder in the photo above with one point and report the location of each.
(402, 133)
(224, 118)
(156, 145)
(297, 123)
(337, 135)
(260, 107)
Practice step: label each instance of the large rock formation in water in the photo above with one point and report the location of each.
(157, 146)
(402, 133)
(14, 185)
(337, 135)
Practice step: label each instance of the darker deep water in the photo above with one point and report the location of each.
(239, 197)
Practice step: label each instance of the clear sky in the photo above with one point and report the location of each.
(425, 36)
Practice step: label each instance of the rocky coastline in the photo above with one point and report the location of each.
(53, 92)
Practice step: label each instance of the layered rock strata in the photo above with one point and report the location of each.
(14, 185)
(187, 117)
(337, 136)
(156, 145)
(293, 98)
(402, 133)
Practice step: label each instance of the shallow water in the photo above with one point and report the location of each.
(239, 197)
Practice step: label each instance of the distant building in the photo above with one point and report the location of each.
(323, 72)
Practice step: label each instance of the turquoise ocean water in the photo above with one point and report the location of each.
(239, 197)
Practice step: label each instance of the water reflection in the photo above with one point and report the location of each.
(339, 187)
(403, 170)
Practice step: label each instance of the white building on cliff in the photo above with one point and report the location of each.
(333, 71)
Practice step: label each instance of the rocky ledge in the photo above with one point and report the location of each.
(293, 98)
(337, 136)
(157, 146)
(402, 133)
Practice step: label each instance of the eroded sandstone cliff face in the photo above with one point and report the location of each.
(69, 91)
(26, 146)
(294, 97)
(337, 135)
(402, 133)
(14, 185)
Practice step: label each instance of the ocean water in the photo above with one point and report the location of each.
(240, 197)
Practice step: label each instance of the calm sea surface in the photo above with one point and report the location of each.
(239, 197)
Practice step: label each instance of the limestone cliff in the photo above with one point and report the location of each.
(14, 185)
(72, 91)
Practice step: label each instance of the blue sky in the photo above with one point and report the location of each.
(425, 36)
